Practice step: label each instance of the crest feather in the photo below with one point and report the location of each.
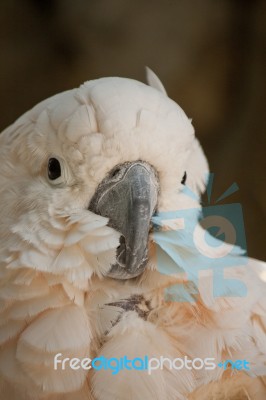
(154, 81)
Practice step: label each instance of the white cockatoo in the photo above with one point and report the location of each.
(84, 179)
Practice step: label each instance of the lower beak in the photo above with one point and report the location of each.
(128, 197)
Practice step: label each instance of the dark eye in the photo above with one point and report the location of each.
(184, 178)
(54, 169)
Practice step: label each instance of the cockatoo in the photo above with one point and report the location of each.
(84, 178)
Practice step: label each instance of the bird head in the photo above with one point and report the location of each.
(83, 173)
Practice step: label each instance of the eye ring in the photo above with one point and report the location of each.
(54, 169)
(183, 181)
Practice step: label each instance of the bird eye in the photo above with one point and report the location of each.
(184, 178)
(54, 169)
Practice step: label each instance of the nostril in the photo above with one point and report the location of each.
(115, 172)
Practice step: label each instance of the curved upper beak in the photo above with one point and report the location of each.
(128, 197)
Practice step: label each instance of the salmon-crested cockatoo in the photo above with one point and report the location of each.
(87, 264)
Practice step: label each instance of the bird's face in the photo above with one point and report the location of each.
(116, 150)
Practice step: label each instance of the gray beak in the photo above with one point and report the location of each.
(128, 197)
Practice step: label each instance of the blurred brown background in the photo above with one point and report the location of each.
(210, 55)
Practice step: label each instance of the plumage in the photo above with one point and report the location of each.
(58, 254)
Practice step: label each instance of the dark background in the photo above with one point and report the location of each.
(210, 55)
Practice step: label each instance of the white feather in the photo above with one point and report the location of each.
(154, 81)
(55, 253)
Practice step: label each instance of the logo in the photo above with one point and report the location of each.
(211, 238)
(145, 363)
